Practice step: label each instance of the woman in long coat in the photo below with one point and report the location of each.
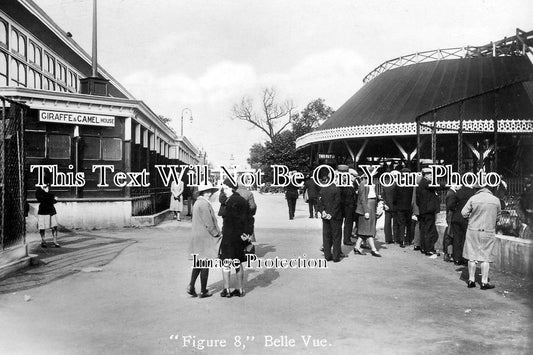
(366, 210)
(205, 236)
(176, 199)
(236, 233)
(482, 210)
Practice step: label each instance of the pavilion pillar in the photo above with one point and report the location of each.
(460, 141)
(495, 165)
(434, 139)
(418, 142)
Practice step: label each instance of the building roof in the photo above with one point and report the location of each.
(402, 94)
(476, 91)
(33, 19)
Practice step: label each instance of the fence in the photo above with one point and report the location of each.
(149, 201)
(13, 196)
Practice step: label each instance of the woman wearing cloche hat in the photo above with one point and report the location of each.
(205, 237)
(236, 229)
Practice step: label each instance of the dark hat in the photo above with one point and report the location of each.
(228, 183)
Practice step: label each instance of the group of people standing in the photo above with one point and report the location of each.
(347, 212)
(351, 212)
(208, 241)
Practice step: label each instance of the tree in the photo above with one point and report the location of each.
(166, 121)
(273, 118)
(257, 156)
(281, 149)
(311, 117)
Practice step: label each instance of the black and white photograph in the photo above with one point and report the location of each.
(266, 177)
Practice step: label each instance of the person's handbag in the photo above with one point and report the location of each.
(380, 209)
(249, 248)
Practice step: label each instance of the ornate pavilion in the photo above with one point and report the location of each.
(471, 107)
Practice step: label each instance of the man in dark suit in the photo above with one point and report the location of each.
(291, 194)
(403, 198)
(459, 224)
(330, 209)
(428, 206)
(311, 188)
(348, 208)
(391, 221)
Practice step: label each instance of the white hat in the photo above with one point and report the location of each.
(343, 168)
(209, 186)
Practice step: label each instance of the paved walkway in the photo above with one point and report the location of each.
(123, 292)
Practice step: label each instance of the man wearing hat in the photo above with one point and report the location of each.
(403, 197)
(311, 192)
(291, 195)
(428, 207)
(391, 219)
(347, 206)
(330, 209)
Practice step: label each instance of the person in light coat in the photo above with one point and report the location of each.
(482, 210)
(176, 199)
(205, 237)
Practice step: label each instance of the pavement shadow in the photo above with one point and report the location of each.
(380, 245)
(262, 249)
(263, 279)
(78, 252)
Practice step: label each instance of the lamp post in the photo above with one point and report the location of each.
(186, 109)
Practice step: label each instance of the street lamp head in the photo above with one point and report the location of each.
(186, 109)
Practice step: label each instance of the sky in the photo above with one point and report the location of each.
(206, 55)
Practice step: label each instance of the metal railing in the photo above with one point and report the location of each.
(517, 45)
(149, 201)
(12, 189)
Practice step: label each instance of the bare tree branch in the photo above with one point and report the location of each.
(272, 113)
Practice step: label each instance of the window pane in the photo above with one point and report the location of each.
(22, 74)
(3, 69)
(91, 148)
(14, 40)
(38, 56)
(31, 79)
(3, 32)
(111, 149)
(35, 146)
(22, 45)
(37, 80)
(58, 146)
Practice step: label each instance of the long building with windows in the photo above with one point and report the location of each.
(76, 120)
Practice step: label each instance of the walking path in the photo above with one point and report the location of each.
(123, 292)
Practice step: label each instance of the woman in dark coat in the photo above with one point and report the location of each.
(366, 225)
(47, 215)
(235, 236)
